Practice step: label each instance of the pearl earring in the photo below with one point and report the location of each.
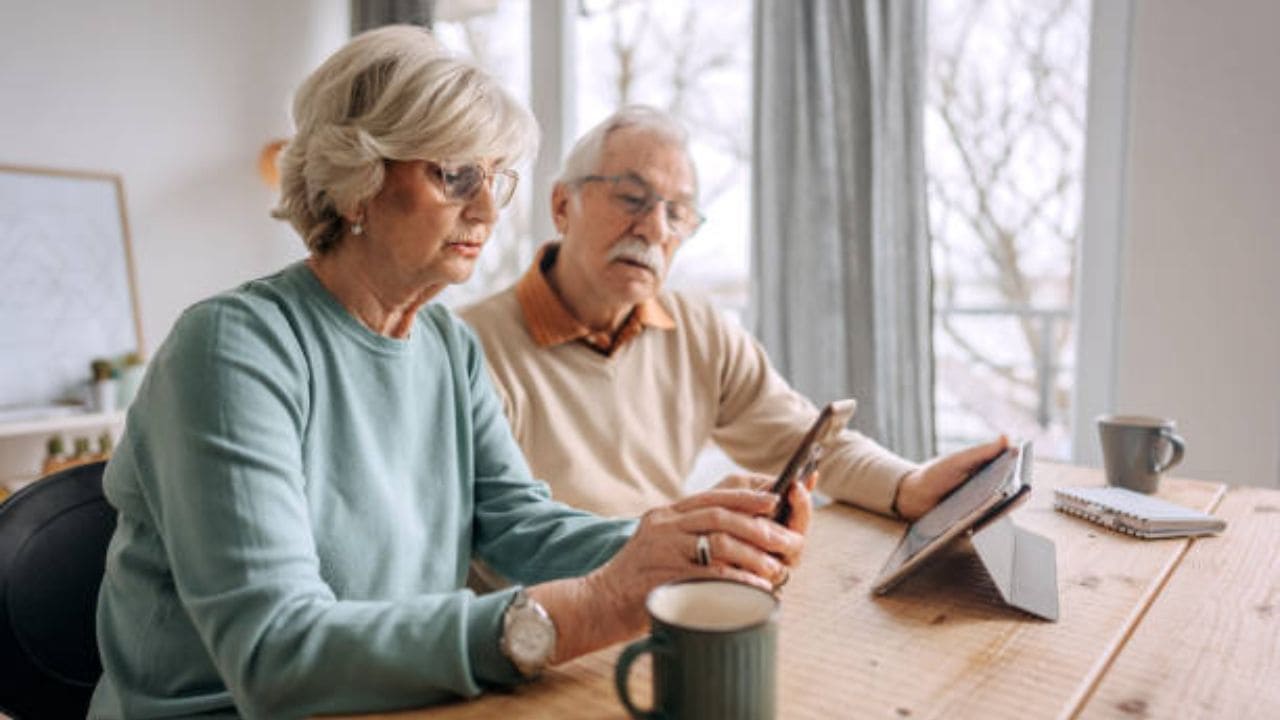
(357, 229)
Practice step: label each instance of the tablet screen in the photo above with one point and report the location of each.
(997, 481)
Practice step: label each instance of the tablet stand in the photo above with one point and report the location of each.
(1022, 564)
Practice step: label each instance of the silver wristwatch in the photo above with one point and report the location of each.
(528, 635)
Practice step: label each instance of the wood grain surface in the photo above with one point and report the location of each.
(941, 645)
(1209, 646)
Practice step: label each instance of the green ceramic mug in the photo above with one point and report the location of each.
(714, 645)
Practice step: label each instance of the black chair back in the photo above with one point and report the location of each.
(53, 548)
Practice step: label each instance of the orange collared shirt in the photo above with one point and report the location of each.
(550, 322)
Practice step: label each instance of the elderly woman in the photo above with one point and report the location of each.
(317, 455)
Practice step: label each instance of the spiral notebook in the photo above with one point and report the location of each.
(1134, 513)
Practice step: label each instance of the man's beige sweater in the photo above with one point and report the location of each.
(618, 435)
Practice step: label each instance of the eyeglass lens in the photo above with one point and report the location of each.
(637, 198)
(464, 182)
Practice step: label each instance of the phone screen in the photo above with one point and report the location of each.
(805, 459)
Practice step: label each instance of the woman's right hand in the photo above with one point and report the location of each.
(746, 546)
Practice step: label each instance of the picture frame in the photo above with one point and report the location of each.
(68, 293)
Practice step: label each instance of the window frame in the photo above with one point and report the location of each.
(552, 39)
(1099, 291)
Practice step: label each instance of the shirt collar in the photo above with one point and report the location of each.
(550, 322)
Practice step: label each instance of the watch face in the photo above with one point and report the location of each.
(529, 636)
(532, 638)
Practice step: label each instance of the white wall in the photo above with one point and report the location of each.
(178, 97)
(1199, 325)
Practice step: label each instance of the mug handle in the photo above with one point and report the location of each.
(1178, 445)
(622, 672)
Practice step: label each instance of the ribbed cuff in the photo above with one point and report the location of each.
(891, 471)
(873, 486)
(484, 632)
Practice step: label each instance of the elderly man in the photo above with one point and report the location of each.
(613, 386)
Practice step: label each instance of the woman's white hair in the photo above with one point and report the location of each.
(393, 93)
(584, 158)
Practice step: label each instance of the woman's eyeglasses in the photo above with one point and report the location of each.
(634, 197)
(462, 183)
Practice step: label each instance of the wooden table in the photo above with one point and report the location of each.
(1168, 628)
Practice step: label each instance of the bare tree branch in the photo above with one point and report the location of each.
(1011, 183)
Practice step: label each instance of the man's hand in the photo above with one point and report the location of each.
(801, 495)
(924, 487)
(743, 482)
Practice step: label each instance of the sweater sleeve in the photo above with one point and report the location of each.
(222, 477)
(762, 419)
(518, 529)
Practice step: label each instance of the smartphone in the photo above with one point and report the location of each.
(824, 430)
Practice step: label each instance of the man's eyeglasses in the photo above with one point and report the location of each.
(634, 197)
(462, 183)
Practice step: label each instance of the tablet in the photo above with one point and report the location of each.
(993, 491)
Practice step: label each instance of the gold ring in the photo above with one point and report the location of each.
(786, 576)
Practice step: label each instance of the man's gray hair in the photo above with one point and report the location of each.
(584, 158)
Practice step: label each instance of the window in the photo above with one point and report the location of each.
(1004, 141)
(689, 57)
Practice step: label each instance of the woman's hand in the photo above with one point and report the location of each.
(745, 545)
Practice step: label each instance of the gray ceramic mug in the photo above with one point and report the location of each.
(714, 646)
(1136, 450)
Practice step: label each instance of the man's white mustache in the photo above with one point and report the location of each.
(638, 251)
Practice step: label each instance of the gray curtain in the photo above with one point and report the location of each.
(840, 262)
(369, 14)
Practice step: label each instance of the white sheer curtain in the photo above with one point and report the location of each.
(840, 263)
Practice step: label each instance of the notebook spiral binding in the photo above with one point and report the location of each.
(1109, 519)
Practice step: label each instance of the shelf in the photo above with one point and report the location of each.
(61, 423)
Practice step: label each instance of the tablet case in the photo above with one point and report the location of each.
(1022, 564)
